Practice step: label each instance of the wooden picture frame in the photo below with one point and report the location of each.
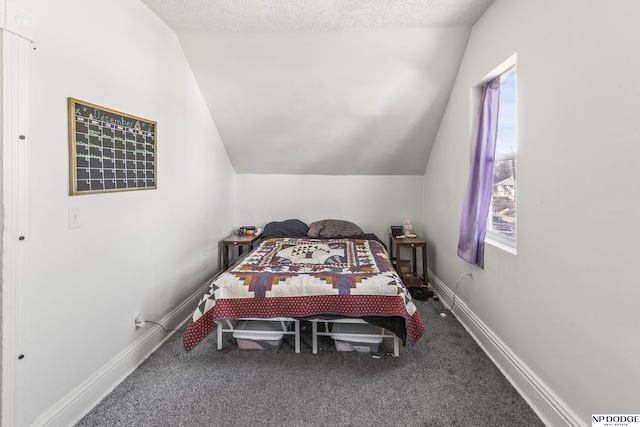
(110, 150)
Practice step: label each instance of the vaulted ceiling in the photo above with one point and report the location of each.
(329, 87)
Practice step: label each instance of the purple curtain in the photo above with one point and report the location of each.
(473, 223)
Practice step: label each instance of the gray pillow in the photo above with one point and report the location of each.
(333, 228)
(286, 228)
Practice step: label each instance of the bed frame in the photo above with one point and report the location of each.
(229, 326)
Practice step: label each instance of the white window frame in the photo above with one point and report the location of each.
(505, 70)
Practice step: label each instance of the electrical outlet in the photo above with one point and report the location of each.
(138, 320)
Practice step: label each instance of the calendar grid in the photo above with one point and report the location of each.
(109, 150)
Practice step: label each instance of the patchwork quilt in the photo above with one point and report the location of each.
(301, 277)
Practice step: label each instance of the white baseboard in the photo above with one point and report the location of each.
(547, 405)
(75, 405)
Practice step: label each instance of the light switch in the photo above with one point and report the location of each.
(74, 217)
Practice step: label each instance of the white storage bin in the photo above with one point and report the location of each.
(353, 336)
(259, 335)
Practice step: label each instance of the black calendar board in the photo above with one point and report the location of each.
(109, 150)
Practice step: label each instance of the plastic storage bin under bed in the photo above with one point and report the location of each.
(360, 337)
(259, 335)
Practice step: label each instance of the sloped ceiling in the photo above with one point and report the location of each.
(324, 87)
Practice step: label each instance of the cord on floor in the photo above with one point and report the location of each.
(163, 328)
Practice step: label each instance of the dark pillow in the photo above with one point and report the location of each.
(333, 228)
(286, 228)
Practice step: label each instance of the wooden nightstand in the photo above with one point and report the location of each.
(413, 243)
(236, 240)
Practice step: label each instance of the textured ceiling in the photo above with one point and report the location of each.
(314, 15)
(328, 87)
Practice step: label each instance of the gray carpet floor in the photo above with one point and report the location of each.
(444, 379)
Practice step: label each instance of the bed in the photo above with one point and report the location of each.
(327, 271)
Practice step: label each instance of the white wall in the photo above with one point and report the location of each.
(373, 202)
(566, 304)
(142, 250)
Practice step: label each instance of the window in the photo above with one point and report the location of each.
(488, 209)
(501, 223)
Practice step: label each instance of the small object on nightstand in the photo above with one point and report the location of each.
(407, 227)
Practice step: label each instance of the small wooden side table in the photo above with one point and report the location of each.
(236, 240)
(413, 243)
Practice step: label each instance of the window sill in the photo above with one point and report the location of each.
(500, 242)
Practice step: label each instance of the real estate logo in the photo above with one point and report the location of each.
(615, 420)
